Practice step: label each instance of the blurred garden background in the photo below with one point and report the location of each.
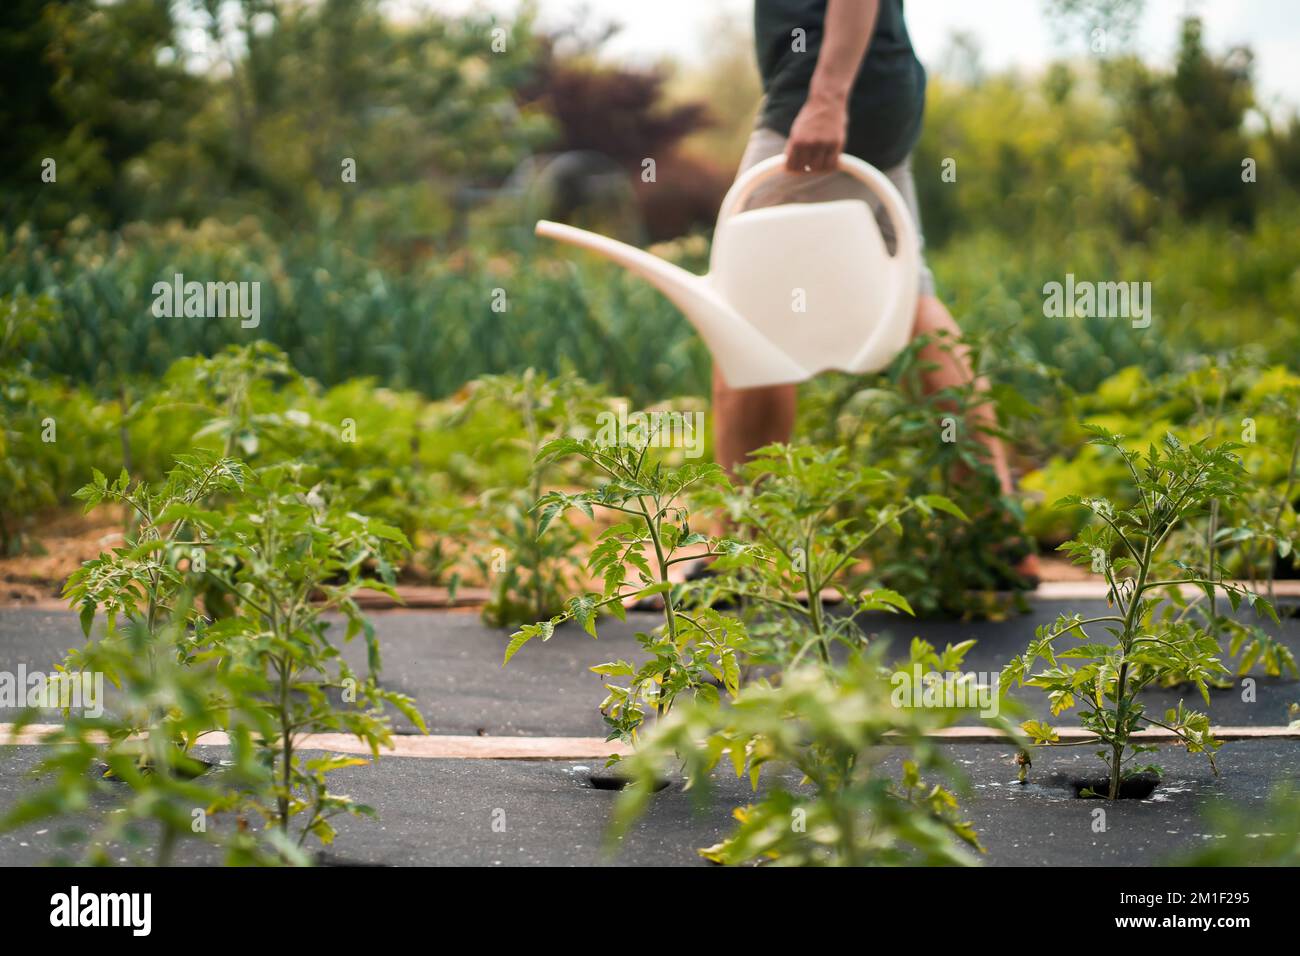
(377, 167)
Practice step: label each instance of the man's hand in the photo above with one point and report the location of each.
(817, 136)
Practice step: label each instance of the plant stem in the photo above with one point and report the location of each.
(535, 492)
(286, 738)
(670, 614)
(1211, 531)
(815, 601)
(165, 847)
(123, 431)
(1126, 642)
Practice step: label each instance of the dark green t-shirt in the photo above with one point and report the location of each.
(888, 96)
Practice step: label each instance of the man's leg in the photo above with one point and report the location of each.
(745, 419)
(749, 418)
(952, 370)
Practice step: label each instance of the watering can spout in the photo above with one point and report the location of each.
(745, 360)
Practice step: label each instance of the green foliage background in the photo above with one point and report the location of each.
(206, 138)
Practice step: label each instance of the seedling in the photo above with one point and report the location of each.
(143, 582)
(1232, 396)
(691, 652)
(229, 391)
(256, 661)
(812, 515)
(286, 556)
(134, 754)
(1255, 532)
(528, 574)
(830, 731)
(1172, 485)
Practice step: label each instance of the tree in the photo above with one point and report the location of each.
(1187, 131)
(92, 86)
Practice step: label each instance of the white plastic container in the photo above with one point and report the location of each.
(792, 290)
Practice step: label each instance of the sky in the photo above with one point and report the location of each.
(1010, 33)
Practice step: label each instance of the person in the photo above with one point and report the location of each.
(841, 76)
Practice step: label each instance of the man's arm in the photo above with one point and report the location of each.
(817, 136)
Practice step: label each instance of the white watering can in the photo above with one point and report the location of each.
(858, 302)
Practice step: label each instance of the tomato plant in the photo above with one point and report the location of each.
(1236, 397)
(812, 515)
(272, 554)
(528, 574)
(691, 651)
(135, 755)
(821, 737)
(1172, 485)
(286, 557)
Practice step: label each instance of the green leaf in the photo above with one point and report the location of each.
(886, 598)
(940, 503)
(1039, 732)
(614, 669)
(87, 617)
(583, 610)
(543, 629)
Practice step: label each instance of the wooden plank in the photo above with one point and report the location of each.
(421, 597)
(451, 747)
(433, 746)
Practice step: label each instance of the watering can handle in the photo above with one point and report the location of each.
(876, 181)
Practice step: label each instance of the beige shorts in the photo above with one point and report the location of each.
(822, 187)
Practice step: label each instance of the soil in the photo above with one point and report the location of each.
(63, 542)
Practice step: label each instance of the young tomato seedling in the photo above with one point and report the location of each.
(1172, 485)
(528, 574)
(823, 737)
(272, 552)
(287, 553)
(690, 647)
(812, 514)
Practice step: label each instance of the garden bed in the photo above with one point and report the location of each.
(441, 811)
(449, 662)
